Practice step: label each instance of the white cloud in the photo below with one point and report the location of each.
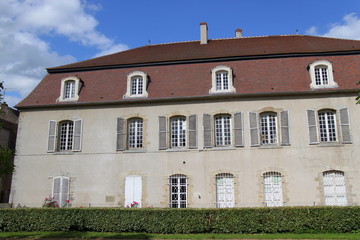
(24, 52)
(348, 28)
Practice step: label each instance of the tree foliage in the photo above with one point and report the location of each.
(6, 161)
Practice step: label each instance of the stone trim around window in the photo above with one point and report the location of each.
(229, 88)
(329, 75)
(136, 74)
(73, 97)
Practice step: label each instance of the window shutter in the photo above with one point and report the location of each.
(284, 125)
(313, 131)
(254, 129)
(238, 130)
(192, 131)
(207, 130)
(65, 187)
(52, 136)
(121, 134)
(163, 133)
(56, 189)
(345, 125)
(77, 135)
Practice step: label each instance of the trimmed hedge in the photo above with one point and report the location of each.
(236, 220)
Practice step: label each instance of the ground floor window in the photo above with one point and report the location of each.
(178, 191)
(61, 190)
(225, 190)
(133, 191)
(273, 189)
(334, 188)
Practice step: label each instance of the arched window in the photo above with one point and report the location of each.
(178, 131)
(70, 88)
(268, 128)
(334, 188)
(135, 133)
(225, 190)
(222, 125)
(321, 75)
(178, 191)
(222, 80)
(65, 135)
(136, 85)
(327, 126)
(273, 195)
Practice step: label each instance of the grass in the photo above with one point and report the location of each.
(99, 235)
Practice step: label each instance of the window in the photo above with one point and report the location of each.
(129, 133)
(178, 131)
(70, 88)
(133, 190)
(225, 190)
(223, 130)
(272, 131)
(178, 191)
(65, 135)
(222, 80)
(273, 189)
(136, 85)
(321, 74)
(324, 126)
(334, 188)
(183, 132)
(61, 190)
(268, 128)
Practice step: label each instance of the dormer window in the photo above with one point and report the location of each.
(222, 80)
(70, 88)
(321, 75)
(136, 85)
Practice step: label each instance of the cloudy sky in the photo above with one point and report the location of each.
(37, 34)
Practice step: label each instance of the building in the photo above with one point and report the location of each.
(8, 121)
(238, 122)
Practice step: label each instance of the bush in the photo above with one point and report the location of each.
(152, 220)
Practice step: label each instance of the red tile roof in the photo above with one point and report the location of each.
(261, 65)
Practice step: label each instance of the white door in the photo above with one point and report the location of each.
(133, 190)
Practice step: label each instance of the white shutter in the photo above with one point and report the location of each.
(313, 131)
(77, 135)
(238, 130)
(163, 133)
(56, 189)
(121, 134)
(52, 136)
(133, 190)
(208, 136)
(254, 129)
(345, 125)
(284, 126)
(192, 131)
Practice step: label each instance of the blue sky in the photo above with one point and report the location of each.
(36, 34)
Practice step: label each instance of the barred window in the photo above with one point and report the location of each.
(268, 124)
(327, 126)
(178, 191)
(178, 131)
(69, 89)
(334, 188)
(137, 85)
(135, 133)
(222, 80)
(66, 135)
(222, 130)
(321, 75)
(225, 190)
(273, 189)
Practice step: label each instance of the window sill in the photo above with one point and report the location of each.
(63, 153)
(180, 149)
(140, 150)
(223, 148)
(270, 146)
(330, 144)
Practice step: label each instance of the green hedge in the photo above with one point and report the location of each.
(236, 220)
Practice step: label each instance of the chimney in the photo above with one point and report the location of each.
(238, 33)
(203, 33)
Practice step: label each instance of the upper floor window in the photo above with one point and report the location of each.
(182, 133)
(70, 88)
(129, 133)
(223, 130)
(222, 80)
(136, 85)
(324, 126)
(321, 74)
(65, 135)
(271, 131)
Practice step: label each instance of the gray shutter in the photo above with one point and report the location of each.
(56, 189)
(163, 133)
(207, 123)
(345, 125)
(238, 130)
(254, 129)
(121, 135)
(313, 131)
(65, 189)
(192, 132)
(284, 126)
(77, 135)
(52, 136)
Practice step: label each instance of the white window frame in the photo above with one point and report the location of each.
(273, 194)
(178, 191)
(136, 75)
(329, 72)
(178, 129)
(334, 188)
(327, 125)
(66, 136)
(214, 77)
(135, 133)
(75, 90)
(62, 196)
(223, 130)
(268, 128)
(225, 196)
